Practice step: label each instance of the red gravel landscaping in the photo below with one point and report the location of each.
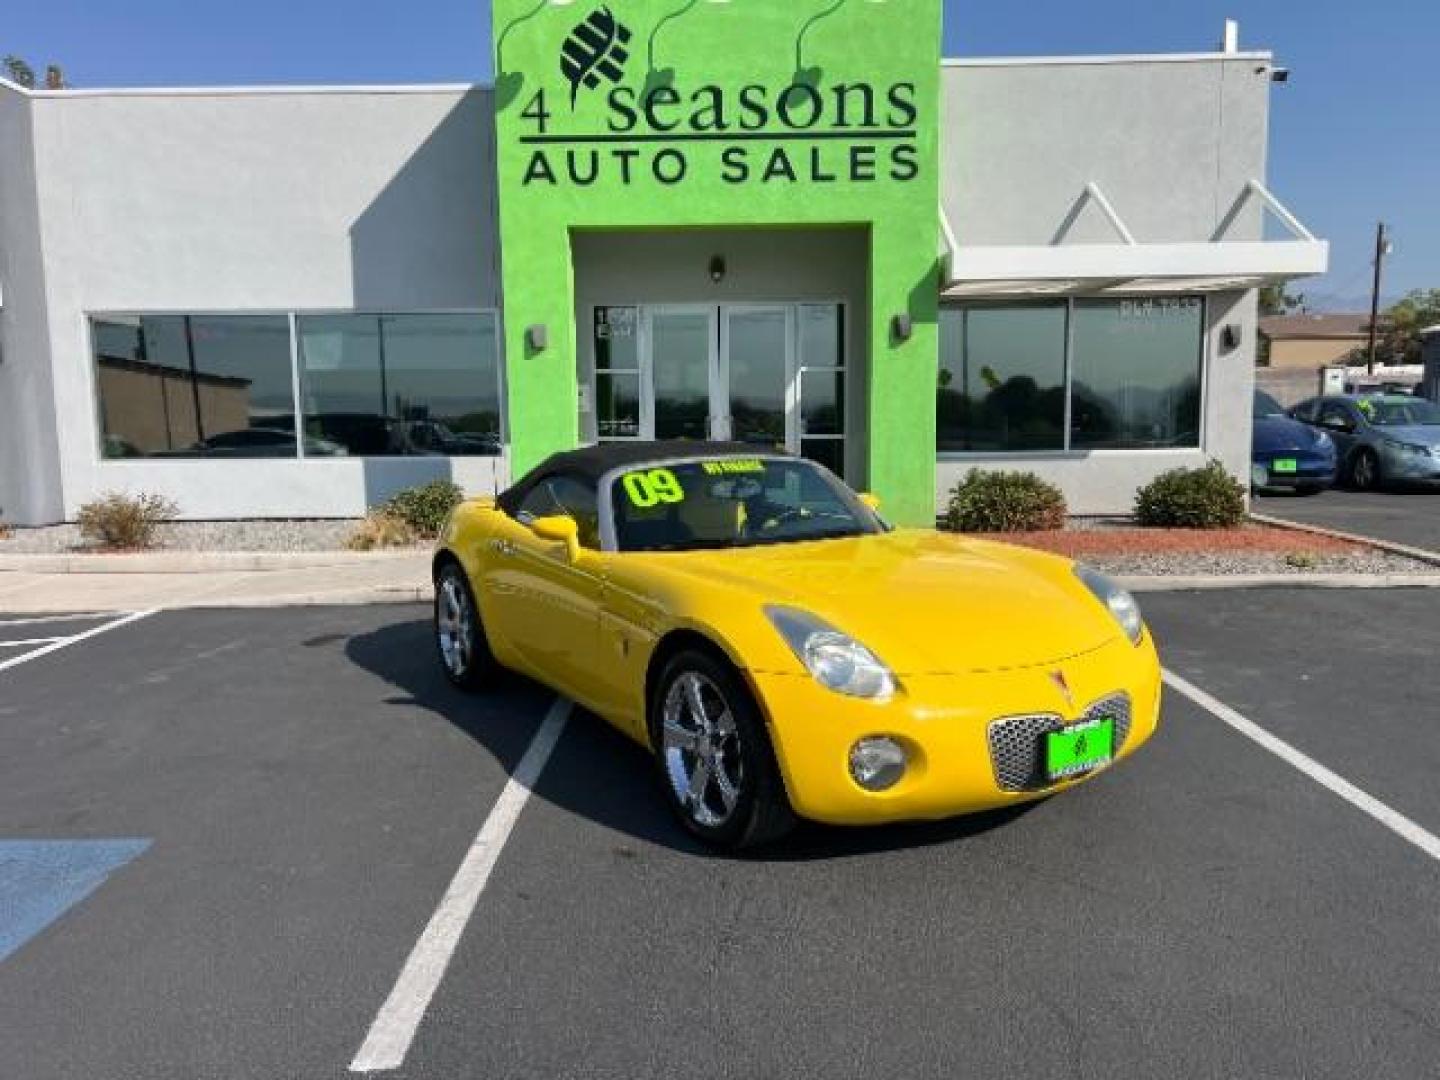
(1262, 539)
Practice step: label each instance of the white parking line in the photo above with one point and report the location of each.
(35, 619)
(23, 642)
(66, 642)
(399, 1018)
(1393, 820)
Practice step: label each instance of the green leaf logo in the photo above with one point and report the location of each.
(594, 50)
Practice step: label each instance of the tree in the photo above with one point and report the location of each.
(22, 74)
(1399, 334)
(19, 72)
(1274, 300)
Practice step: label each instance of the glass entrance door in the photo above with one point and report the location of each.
(757, 373)
(682, 349)
(772, 375)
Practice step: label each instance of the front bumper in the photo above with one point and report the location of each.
(944, 722)
(1397, 464)
(1312, 470)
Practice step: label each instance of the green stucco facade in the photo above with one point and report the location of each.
(668, 114)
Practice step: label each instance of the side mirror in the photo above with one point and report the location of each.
(870, 502)
(559, 529)
(1337, 423)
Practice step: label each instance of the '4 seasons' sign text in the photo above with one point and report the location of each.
(851, 132)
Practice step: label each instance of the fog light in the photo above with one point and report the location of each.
(877, 763)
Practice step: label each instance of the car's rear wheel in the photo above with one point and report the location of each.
(459, 635)
(716, 762)
(1364, 470)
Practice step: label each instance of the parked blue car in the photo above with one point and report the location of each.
(1382, 438)
(1286, 454)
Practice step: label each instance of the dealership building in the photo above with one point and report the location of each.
(794, 225)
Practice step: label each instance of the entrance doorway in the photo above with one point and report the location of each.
(772, 375)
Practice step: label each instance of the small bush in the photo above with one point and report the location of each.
(1208, 498)
(1005, 502)
(1302, 560)
(426, 507)
(119, 522)
(381, 529)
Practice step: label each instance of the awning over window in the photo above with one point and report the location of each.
(1130, 266)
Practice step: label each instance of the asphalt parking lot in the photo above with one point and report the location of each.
(222, 834)
(1410, 516)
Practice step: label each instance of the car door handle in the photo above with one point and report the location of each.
(502, 547)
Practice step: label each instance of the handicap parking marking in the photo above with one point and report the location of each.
(54, 644)
(1392, 819)
(42, 879)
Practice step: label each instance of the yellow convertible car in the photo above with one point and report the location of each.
(781, 650)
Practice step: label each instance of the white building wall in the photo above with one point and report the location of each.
(375, 200)
(1172, 142)
(30, 488)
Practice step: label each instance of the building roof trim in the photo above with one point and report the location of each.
(1262, 55)
(253, 91)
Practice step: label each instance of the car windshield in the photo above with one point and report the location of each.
(1387, 413)
(1265, 405)
(733, 502)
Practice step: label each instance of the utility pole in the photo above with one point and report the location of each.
(1382, 248)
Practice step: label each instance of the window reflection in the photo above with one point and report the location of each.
(402, 385)
(196, 386)
(1002, 378)
(1137, 373)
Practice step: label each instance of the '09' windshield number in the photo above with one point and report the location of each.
(653, 488)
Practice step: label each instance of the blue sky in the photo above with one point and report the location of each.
(1349, 141)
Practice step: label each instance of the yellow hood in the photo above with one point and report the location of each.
(924, 602)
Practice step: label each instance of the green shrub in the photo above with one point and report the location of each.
(381, 529)
(124, 522)
(426, 507)
(1208, 498)
(1005, 502)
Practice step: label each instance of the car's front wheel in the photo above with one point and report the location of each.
(1365, 470)
(459, 635)
(715, 757)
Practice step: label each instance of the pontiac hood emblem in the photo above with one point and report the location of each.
(1063, 685)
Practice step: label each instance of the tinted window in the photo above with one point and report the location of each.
(1336, 413)
(1400, 413)
(733, 503)
(402, 385)
(1306, 410)
(1265, 405)
(1002, 378)
(1136, 380)
(565, 496)
(194, 385)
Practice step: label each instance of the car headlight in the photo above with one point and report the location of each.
(835, 659)
(1118, 601)
(1407, 448)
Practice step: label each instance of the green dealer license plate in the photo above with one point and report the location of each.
(1286, 465)
(1079, 749)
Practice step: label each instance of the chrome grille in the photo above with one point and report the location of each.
(1017, 742)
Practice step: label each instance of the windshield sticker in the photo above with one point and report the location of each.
(648, 489)
(728, 468)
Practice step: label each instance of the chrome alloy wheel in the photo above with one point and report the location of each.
(701, 747)
(455, 626)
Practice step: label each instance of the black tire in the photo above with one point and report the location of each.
(460, 640)
(1364, 470)
(738, 755)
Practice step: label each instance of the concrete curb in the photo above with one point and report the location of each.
(1216, 582)
(378, 595)
(204, 562)
(1418, 554)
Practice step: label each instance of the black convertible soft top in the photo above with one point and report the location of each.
(590, 463)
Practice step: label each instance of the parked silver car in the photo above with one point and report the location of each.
(1382, 438)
